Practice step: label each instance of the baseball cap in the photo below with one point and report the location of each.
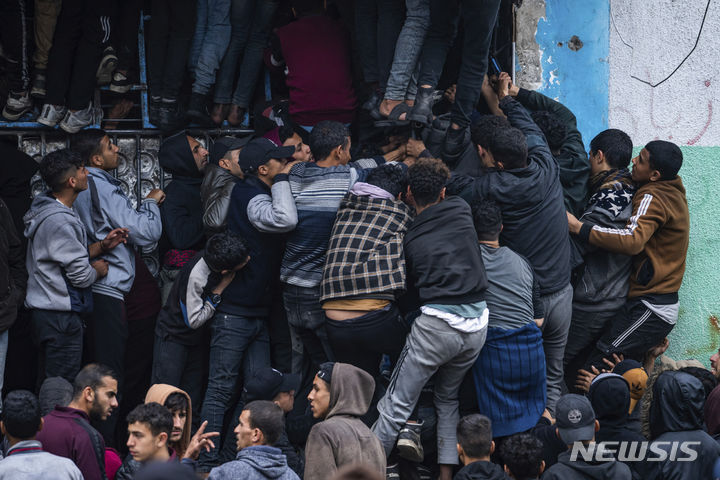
(636, 376)
(221, 146)
(575, 418)
(268, 382)
(259, 151)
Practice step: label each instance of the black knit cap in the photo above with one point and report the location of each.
(325, 371)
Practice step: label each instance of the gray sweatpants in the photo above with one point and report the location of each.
(558, 312)
(432, 346)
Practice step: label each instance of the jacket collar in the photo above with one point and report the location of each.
(25, 446)
(102, 175)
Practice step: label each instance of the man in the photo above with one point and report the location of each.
(58, 263)
(259, 427)
(25, 458)
(289, 137)
(181, 333)
(220, 176)
(448, 335)
(183, 233)
(318, 189)
(523, 179)
(675, 417)
(509, 373)
(474, 446)
(13, 280)
(82, 28)
(522, 457)
(576, 424)
(149, 427)
(179, 404)
(102, 208)
(559, 126)
(261, 208)
(657, 236)
(340, 394)
(67, 432)
(603, 276)
(364, 273)
(280, 388)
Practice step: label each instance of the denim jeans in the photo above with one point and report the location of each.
(250, 20)
(444, 15)
(377, 26)
(307, 327)
(211, 40)
(182, 366)
(407, 49)
(558, 312)
(239, 346)
(59, 336)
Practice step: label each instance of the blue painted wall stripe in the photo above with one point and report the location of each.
(578, 79)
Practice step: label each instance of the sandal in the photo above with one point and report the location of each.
(393, 119)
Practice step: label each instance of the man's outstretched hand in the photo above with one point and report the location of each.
(199, 441)
(573, 223)
(114, 238)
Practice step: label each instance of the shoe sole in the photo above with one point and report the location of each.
(104, 71)
(120, 88)
(38, 93)
(409, 450)
(47, 123)
(14, 116)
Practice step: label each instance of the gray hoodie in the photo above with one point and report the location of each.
(255, 463)
(59, 270)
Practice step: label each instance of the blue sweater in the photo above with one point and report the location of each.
(317, 192)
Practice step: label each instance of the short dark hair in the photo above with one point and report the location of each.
(326, 136)
(225, 251)
(288, 129)
(87, 143)
(392, 178)
(177, 402)
(509, 147)
(484, 128)
(21, 414)
(615, 144)
(92, 376)
(155, 416)
(522, 454)
(706, 377)
(665, 157)
(487, 218)
(56, 167)
(552, 127)
(267, 417)
(426, 179)
(474, 434)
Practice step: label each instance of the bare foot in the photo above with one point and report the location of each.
(386, 106)
(236, 115)
(219, 112)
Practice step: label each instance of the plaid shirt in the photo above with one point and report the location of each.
(365, 255)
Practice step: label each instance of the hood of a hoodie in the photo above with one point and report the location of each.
(176, 157)
(269, 462)
(42, 207)
(351, 391)
(481, 469)
(677, 406)
(594, 470)
(159, 393)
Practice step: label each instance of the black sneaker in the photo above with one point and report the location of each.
(422, 110)
(39, 85)
(409, 445)
(170, 116)
(392, 472)
(120, 83)
(197, 109)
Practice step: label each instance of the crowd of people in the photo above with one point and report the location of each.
(451, 287)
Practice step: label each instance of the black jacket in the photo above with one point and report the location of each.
(13, 275)
(571, 157)
(565, 469)
(17, 170)
(444, 261)
(182, 210)
(481, 471)
(531, 199)
(676, 415)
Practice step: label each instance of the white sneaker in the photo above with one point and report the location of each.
(76, 121)
(17, 105)
(51, 114)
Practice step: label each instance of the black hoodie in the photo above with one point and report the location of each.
(481, 470)
(182, 210)
(444, 261)
(566, 469)
(17, 170)
(610, 398)
(676, 415)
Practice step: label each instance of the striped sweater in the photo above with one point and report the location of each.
(317, 192)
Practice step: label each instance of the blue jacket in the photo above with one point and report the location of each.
(255, 463)
(104, 207)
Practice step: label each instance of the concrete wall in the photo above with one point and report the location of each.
(631, 72)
